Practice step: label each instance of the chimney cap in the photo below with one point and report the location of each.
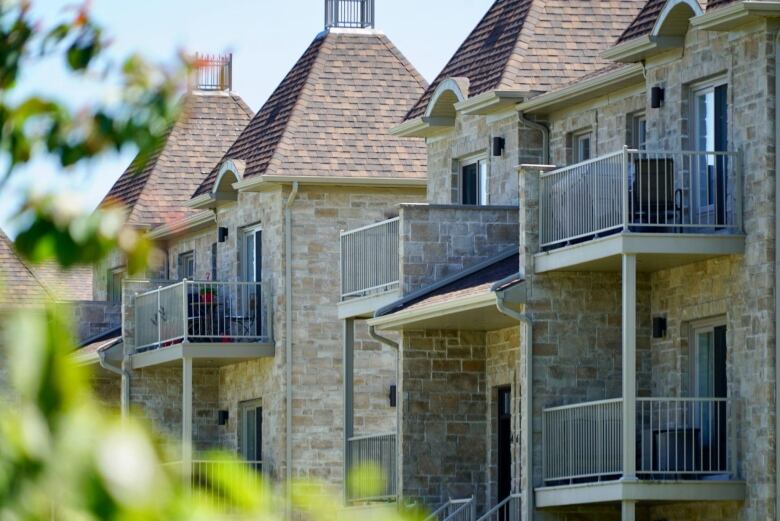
(350, 14)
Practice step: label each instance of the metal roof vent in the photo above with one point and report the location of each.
(213, 72)
(351, 14)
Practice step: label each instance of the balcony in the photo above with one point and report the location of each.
(376, 456)
(208, 480)
(685, 450)
(219, 322)
(370, 266)
(667, 207)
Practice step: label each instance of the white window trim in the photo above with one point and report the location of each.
(694, 89)
(242, 407)
(483, 188)
(244, 231)
(575, 144)
(635, 117)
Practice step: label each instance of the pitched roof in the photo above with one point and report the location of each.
(534, 45)
(645, 21)
(19, 285)
(155, 192)
(70, 284)
(471, 283)
(711, 4)
(332, 112)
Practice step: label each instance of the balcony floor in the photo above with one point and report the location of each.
(654, 251)
(638, 490)
(203, 355)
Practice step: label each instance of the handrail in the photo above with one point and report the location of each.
(369, 260)
(370, 436)
(583, 404)
(345, 233)
(501, 504)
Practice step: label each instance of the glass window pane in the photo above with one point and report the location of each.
(483, 188)
(470, 184)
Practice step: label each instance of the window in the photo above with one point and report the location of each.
(186, 266)
(709, 106)
(710, 381)
(114, 285)
(252, 254)
(581, 146)
(214, 261)
(638, 130)
(473, 183)
(251, 419)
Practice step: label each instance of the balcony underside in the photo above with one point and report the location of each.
(364, 307)
(203, 354)
(654, 251)
(640, 491)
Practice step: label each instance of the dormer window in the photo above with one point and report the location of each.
(473, 182)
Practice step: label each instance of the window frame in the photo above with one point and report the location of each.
(697, 328)
(577, 138)
(114, 290)
(243, 407)
(482, 188)
(635, 119)
(695, 90)
(185, 256)
(257, 231)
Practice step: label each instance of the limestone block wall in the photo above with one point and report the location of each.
(444, 422)
(200, 244)
(472, 136)
(440, 240)
(92, 318)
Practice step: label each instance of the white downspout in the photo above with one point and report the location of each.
(527, 398)
(288, 338)
(545, 135)
(124, 399)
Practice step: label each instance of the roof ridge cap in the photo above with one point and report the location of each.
(403, 60)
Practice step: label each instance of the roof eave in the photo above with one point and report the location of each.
(211, 201)
(490, 102)
(266, 182)
(641, 47)
(397, 320)
(423, 127)
(734, 15)
(583, 90)
(189, 224)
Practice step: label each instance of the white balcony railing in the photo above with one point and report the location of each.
(209, 479)
(508, 509)
(641, 191)
(455, 510)
(677, 438)
(376, 452)
(369, 259)
(202, 312)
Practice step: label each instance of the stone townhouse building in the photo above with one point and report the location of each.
(614, 355)
(236, 343)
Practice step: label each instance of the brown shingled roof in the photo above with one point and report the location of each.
(19, 286)
(332, 112)
(155, 193)
(534, 45)
(711, 4)
(70, 284)
(645, 21)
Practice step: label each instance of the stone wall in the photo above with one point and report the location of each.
(473, 136)
(441, 240)
(443, 418)
(91, 318)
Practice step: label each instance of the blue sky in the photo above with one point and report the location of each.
(266, 37)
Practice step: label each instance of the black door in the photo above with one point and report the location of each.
(504, 443)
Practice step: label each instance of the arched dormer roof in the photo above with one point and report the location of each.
(449, 92)
(230, 173)
(674, 19)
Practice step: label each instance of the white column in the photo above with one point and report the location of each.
(628, 511)
(186, 415)
(629, 368)
(349, 411)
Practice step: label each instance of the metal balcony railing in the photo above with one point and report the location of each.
(455, 510)
(356, 14)
(508, 509)
(641, 191)
(677, 438)
(203, 312)
(213, 72)
(369, 259)
(377, 452)
(208, 479)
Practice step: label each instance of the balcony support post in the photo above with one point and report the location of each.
(349, 410)
(186, 418)
(628, 511)
(629, 367)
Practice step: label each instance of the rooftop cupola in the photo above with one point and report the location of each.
(349, 14)
(213, 72)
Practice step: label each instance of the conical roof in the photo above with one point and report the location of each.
(331, 114)
(155, 193)
(534, 45)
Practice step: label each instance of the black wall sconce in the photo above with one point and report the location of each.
(659, 327)
(222, 417)
(499, 144)
(392, 396)
(222, 234)
(657, 97)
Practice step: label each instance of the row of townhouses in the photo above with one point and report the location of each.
(542, 287)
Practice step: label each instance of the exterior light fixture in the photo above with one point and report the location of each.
(499, 144)
(222, 234)
(657, 97)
